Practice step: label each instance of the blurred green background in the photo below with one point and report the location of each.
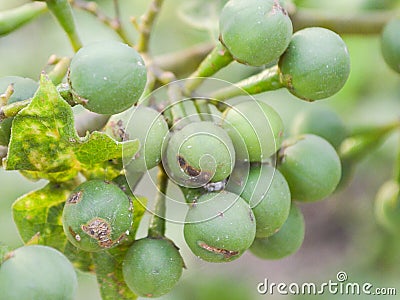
(341, 232)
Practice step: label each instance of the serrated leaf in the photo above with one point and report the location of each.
(44, 142)
(38, 214)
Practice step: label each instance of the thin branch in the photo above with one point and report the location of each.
(342, 23)
(157, 225)
(113, 23)
(146, 25)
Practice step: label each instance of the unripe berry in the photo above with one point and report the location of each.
(199, 153)
(286, 241)
(152, 267)
(387, 206)
(311, 167)
(256, 32)
(316, 64)
(255, 128)
(146, 125)
(37, 272)
(97, 216)
(107, 77)
(390, 44)
(220, 227)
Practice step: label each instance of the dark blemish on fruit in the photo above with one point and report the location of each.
(251, 216)
(100, 230)
(75, 198)
(276, 7)
(226, 253)
(220, 214)
(187, 168)
(74, 234)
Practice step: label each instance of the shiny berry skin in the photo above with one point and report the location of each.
(390, 44)
(316, 64)
(219, 227)
(255, 128)
(286, 241)
(311, 167)
(268, 194)
(256, 32)
(24, 88)
(199, 153)
(97, 216)
(387, 206)
(152, 267)
(107, 77)
(37, 273)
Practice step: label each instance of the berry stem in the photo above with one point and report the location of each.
(60, 69)
(157, 224)
(146, 25)
(115, 24)
(217, 59)
(343, 23)
(203, 110)
(62, 10)
(11, 110)
(175, 99)
(14, 18)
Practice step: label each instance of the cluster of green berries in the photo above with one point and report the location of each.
(241, 178)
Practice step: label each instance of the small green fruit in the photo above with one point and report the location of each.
(256, 32)
(219, 227)
(255, 128)
(322, 122)
(24, 88)
(311, 167)
(146, 125)
(37, 273)
(268, 194)
(286, 241)
(390, 44)
(107, 77)
(199, 153)
(97, 216)
(152, 267)
(316, 64)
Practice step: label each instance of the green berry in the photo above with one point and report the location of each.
(107, 77)
(152, 267)
(390, 44)
(219, 227)
(316, 64)
(24, 88)
(198, 153)
(256, 32)
(97, 216)
(37, 273)
(286, 241)
(311, 167)
(146, 125)
(268, 194)
(255, 128)
(322, 122)
(387, 206)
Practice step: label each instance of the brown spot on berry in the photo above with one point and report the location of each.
(100, 230)
(75, 198)
(226, 253)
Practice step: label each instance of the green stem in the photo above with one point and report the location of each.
(62, 10)
(178, 111)
(217, 59)
(11, 110)
(14, 18)
(115, 24)
(267, 80)
(147, 23)
(60, 69)
(203, 110)
(397, 167)
(157, 225)
(342, 23)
